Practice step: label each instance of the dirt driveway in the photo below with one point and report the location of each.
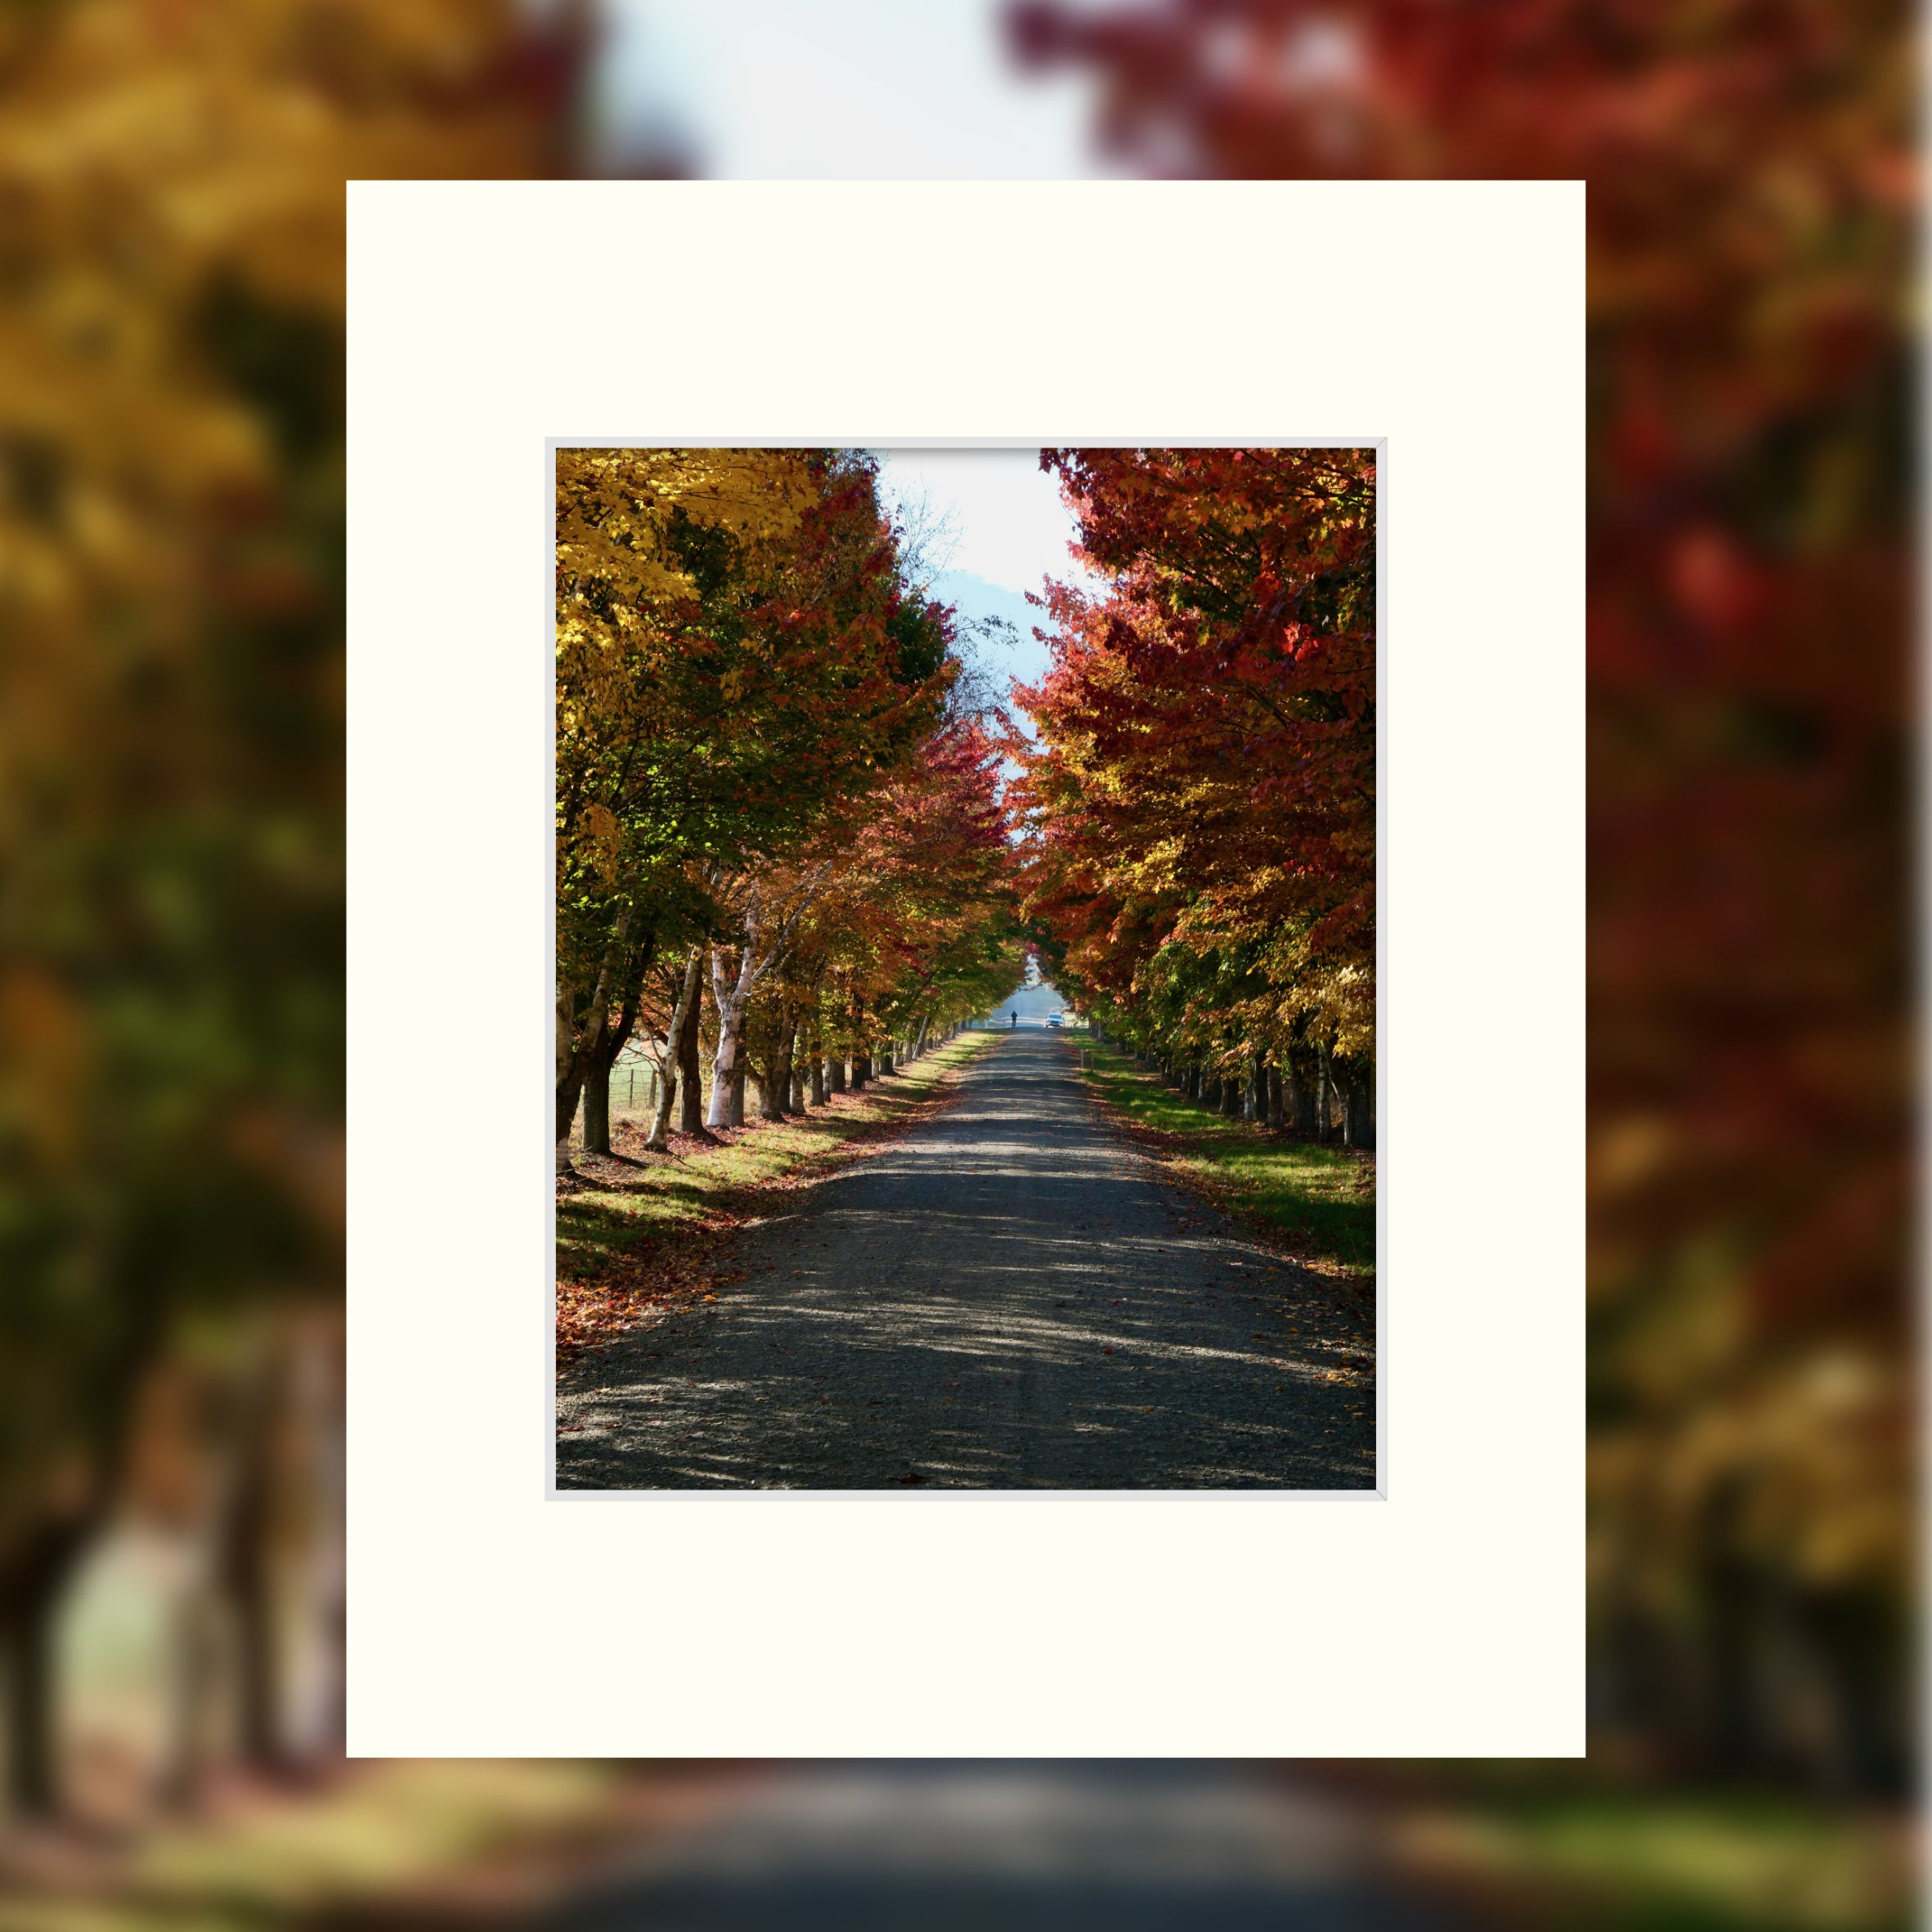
(1012, 1297)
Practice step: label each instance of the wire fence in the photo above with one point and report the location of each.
(633, 1086)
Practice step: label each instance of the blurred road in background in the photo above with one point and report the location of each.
(1014, 1848)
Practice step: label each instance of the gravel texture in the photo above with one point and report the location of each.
(1013, 1296)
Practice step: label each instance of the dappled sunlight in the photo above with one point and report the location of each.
(1006, 1298)
(618, 1205)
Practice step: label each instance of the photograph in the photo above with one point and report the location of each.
(966, 968)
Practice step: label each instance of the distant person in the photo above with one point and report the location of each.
(1016, 1016)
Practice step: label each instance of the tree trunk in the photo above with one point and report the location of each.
(614, 1039)
(835, 1073)
(622, 967)
(862, 1071)
(664, 1098)
(246, 1564)
(28, 1658)
(570, 1075)
(817, 1062)
(729, 999)
(1230, 1096)
(1300, 1083)
(597, 1107)
(1323, 1103)
(691, 1116)
(884, 1058)
(1358, 1109)
(686, 1007)
(26, 1675)
(776, 1096)
(29, 1603)
(1274, 1108)
(1258, 1090)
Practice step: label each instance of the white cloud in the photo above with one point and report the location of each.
(1012, 528)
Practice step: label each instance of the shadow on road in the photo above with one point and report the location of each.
(1012, 1296)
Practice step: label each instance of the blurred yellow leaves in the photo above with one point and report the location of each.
(46, 1053)
(172, 294)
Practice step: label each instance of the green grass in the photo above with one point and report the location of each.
(600, 1227)
(1323, 1199)
(1680, 1860)
(407, 1842)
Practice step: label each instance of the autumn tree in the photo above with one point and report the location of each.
(1202, 791)
(735, 650)
(171, 504)
(915, 931)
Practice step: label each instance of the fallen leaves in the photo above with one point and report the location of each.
(589, 1312)
(687, 1266)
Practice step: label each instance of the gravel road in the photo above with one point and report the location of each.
(1012, 1297)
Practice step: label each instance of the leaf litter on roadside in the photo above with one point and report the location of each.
(653, 1277)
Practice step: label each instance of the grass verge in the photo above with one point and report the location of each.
(1320, 1202)
(641, 1233)
(417, 1844)
(1691, 1861)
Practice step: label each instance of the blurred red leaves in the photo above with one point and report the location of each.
(1751, 221)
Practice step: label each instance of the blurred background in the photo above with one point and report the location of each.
(171, 953)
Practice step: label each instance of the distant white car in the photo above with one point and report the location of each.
(1053, 1019)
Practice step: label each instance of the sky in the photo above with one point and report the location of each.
(1011, 530)
(764, 89)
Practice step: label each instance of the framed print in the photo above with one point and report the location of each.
(1091, 1292)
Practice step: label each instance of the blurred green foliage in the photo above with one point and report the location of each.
(170, 697)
